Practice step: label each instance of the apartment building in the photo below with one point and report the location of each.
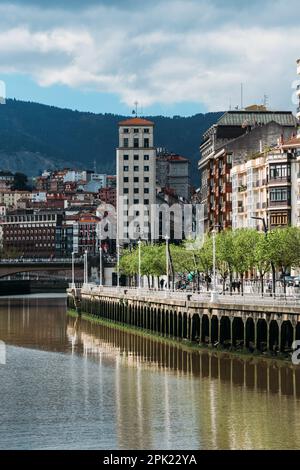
(10, 198)
(136, 179)
(33, 233)
(249, 193)
(236, 136)
(173, 172)
(266, 186)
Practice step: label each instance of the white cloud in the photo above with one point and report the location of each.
(165, 52)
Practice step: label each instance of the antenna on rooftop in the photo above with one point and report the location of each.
(135, 111)
(266, 100)
(242, 96)
(95, 167)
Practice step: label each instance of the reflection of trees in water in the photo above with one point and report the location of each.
(136, 350)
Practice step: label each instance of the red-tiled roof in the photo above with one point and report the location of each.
(293, 142)
(136, 122)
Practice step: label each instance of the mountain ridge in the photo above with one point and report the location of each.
(36, 136)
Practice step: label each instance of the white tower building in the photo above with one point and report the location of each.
(136, 179)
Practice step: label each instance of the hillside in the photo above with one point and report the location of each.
(34, 137)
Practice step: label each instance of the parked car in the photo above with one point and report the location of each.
(289, 280)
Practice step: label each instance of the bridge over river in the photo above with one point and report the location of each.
(248, 322)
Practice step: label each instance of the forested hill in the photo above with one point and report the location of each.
(34, 137)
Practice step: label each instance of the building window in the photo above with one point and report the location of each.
(279, 219)
(146, 201)
(125, 168)
(146, 130)
(125, 131)
(135, 168)
(146, 190)
(146, 168)
(136, 142)
(280, 171)
(125, 142)
(136, 179)
(136, 190)
(136, 201)
(146, 157)
(126, 157)
(146, 179)
(136, 131)
(126, 190)
(278, 194)
(125, 179)
(135, 157)
(146, 143)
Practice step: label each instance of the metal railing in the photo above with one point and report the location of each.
(204, 296)
(40, 260)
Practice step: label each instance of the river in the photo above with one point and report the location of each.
(71, 384)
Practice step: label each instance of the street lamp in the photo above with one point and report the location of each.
(264, 223)
(118, 264)
(85, 267)
(139, 245)
(100, 266)
(100, 258)
(214, 292)
(167, 261)
(266, 230)
(73, 270)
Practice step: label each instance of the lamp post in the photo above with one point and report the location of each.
(266, 230)
(264, 224)
(118, 264)
(139, 245)
(73, 270)
(100, 258)
(167, 261)
(100, 266)
(214, 292)
(86, 267)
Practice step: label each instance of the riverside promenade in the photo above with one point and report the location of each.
(265, 324)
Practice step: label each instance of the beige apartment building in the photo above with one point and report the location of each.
(10, 198)
(249, 193)
(136, 179)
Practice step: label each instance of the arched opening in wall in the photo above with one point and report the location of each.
(225, 331)
(184, 332)
(205, 329)
(214, 328)
(298, 331)
(238, 332)
(196, 328)
(171, 326)
(273, 336)
(179, 325)
(175, 324)
(250, 334)
(166, 322)
(286, 336)
(154, 320)
(159, 321)
(262, 335)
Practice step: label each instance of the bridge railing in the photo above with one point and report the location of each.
(40, 260)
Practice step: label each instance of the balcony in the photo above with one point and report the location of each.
(279, 181)
(242, 188)
(273, 204)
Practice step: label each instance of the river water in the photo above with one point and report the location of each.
(71, 384)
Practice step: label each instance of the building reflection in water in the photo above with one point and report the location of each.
(149, 391)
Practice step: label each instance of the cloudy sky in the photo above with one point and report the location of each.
(172, 56)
